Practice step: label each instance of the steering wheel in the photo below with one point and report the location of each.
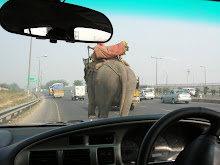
(204, 150)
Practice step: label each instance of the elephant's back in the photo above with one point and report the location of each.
(113, 70)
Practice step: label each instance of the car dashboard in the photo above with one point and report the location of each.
(109, 141)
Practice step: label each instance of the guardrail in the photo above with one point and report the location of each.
(16, 110)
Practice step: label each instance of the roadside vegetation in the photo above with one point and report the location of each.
(206, 90)
(197, 92)
(12, 95)
(78, 83)
(213, 92)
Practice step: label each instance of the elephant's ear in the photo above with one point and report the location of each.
(85, 74)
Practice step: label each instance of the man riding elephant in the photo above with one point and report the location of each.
(110, 81)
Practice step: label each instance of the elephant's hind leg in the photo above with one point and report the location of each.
(103, 110)
(92, 104)
(91, 111)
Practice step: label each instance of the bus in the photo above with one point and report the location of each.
(58, 90)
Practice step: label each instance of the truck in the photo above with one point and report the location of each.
(78, 93)
(136, 98)
(50, 91)
(58, 90)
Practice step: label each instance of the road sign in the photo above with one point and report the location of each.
(32, 79)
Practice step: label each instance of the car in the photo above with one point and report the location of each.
(192, 91)
(176, 95)
(37, 129)
(147, 93)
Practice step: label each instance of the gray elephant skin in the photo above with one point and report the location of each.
(111, 85)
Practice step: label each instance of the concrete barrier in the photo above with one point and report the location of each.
(202, 100)
(216, 101)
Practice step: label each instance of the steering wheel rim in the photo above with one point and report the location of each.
(170, 118)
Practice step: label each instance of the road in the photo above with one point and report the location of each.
(64, 109)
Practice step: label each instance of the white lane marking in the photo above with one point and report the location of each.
(167, 110)
(212, 108)
(117, 113)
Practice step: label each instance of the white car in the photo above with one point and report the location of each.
(147, 94)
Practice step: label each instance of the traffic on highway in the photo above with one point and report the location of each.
(109, 82)
(63, 109)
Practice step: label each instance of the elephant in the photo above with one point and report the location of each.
(113, 84)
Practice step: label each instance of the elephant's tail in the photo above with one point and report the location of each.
(124, 78)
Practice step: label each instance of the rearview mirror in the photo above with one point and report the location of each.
(54, 20)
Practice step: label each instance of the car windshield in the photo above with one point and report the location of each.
(168, 45)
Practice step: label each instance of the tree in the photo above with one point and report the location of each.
(4, 85)
(197, 92)
(213, 92)
(12, 86)
(206, 90)
(160, 90)
(50, 83)
(78, 83)
(157, 90)
(165, 90)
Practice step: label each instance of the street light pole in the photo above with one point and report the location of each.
(38, 83)
(29, 70)
(166, 78)
(41, 78)
(38, 86)
(156, 73)
(157, 58)
(205, 72)
(188, 71)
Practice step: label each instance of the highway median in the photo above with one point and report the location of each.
(202, 100)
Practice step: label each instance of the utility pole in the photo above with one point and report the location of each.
(188, 72)
(166, 78)
(38, 85)
(29, 70)
(205, 72)
(157, 58)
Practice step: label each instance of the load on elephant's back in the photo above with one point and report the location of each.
(109, 83)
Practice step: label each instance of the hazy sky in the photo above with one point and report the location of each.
(182, 44)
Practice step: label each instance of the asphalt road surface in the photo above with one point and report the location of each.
(65, 109)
